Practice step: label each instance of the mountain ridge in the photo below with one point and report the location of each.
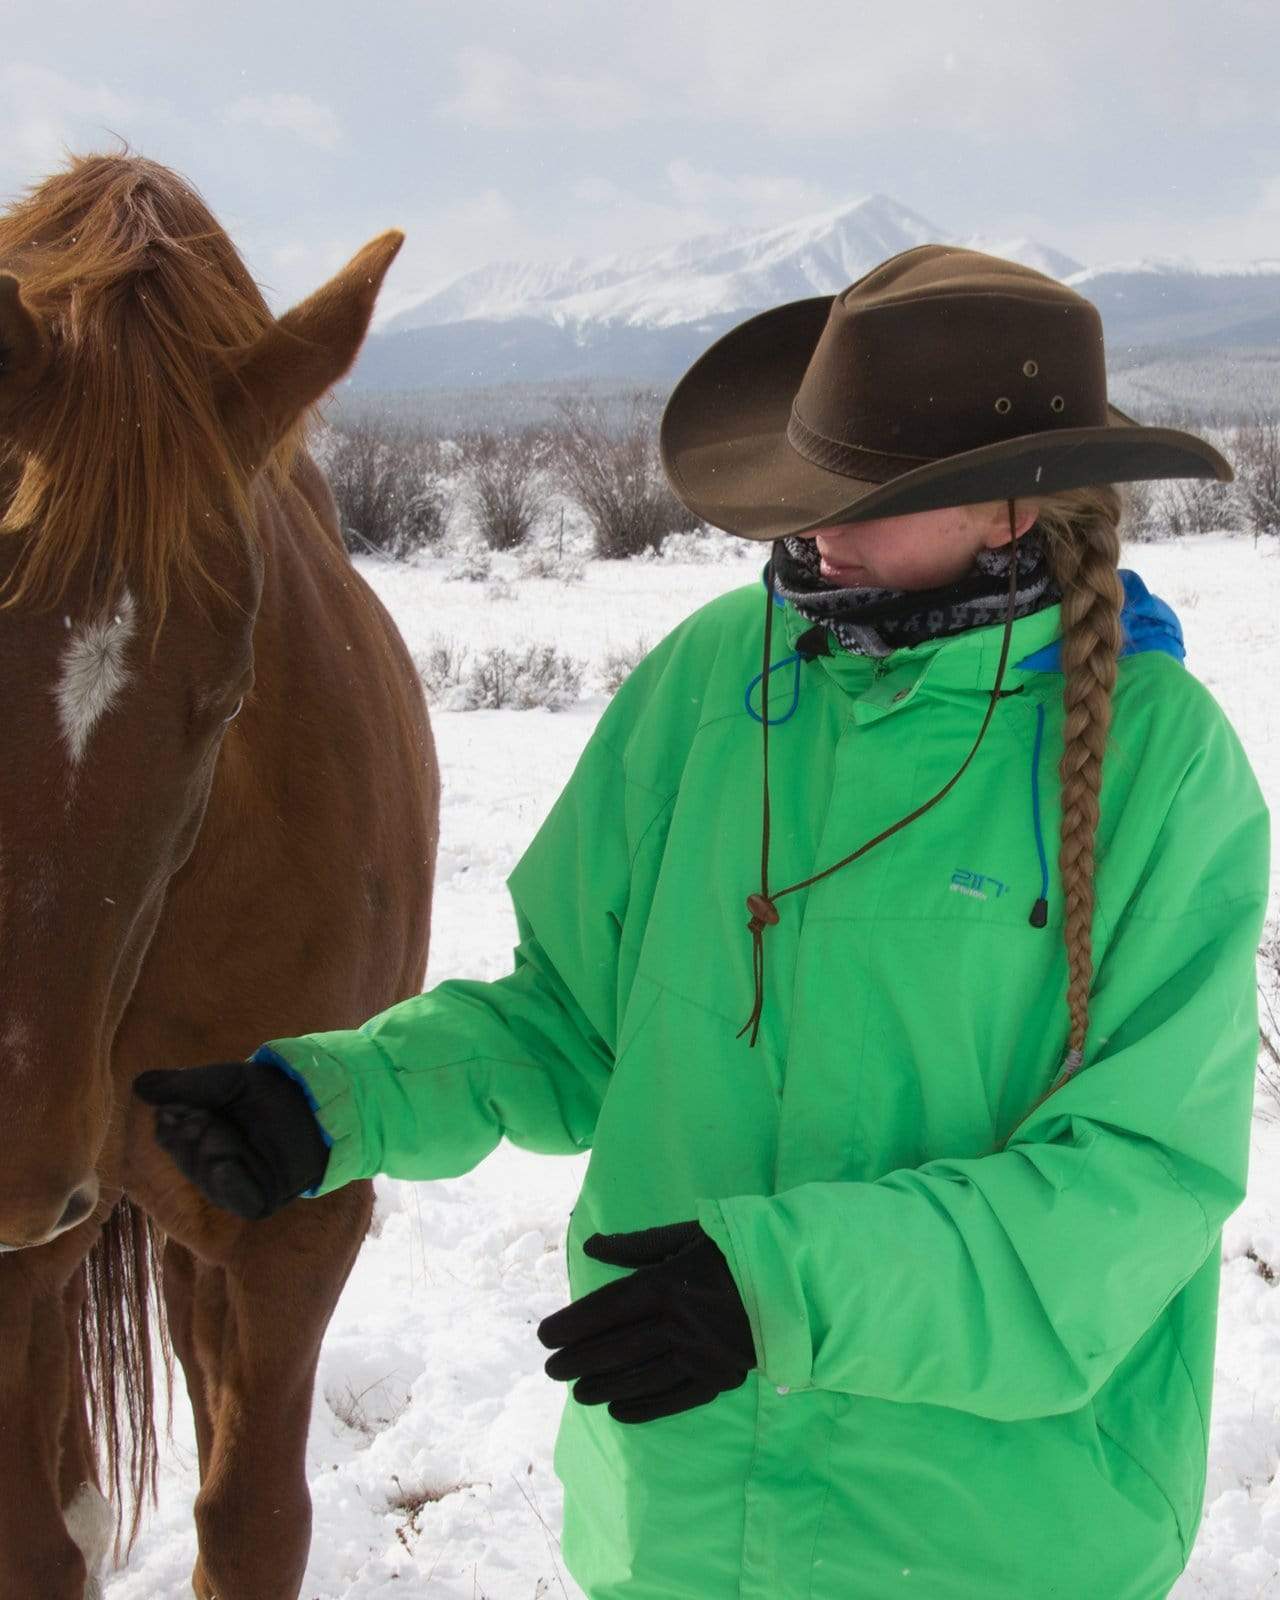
(709, 274)
(645, 314)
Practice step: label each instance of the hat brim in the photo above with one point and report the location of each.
(724, 448)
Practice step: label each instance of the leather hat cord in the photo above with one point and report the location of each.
(763, 905)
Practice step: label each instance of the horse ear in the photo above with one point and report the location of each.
(304, 354)
(24, 346)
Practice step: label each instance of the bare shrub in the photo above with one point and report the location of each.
(539, 675)
(364, 1415)
(498, 678)
(613, 473)
(1269, 1011)
(411, 1502)
(1140, 521)
(541, 561)
(441, 666)
(387, 481)
(505, 488)
(617, 665)
(472, 563)
(706, 546)
(1197, 505)
(1256, 453)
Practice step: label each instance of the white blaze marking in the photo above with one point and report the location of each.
(93, 674)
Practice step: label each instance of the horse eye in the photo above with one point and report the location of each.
(236, 712)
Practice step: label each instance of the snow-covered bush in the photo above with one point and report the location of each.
(704, 546)
(518, 678)
(541, 561)
(442, 666)
(1197, 505)
(472, 562)
(539, 675)
(1140, 519)
(617, 665)
(1269, 1010)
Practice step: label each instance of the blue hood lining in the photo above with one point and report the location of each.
(1146, 622)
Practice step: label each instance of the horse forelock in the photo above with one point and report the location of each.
(126, 462)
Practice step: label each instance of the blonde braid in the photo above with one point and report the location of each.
(1083, 545)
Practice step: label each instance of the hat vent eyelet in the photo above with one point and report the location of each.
(1004, 404)
(1030, 368)
(1057, 403)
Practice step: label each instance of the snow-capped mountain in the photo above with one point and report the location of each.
(707, 276)
(645, 315)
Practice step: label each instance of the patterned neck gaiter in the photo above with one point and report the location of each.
(872, 621)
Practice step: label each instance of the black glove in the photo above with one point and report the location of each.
(242, 1131)
(671, 1336)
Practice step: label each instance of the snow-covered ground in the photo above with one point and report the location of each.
(430, 1454)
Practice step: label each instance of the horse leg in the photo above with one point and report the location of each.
(178, 1280)
(85, 1510)
(38, 1555)
(258, 1324)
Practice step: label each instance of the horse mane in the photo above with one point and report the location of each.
(122, 458)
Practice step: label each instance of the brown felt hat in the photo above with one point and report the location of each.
(942, 377)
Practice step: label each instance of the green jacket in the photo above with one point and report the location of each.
(980, 1374)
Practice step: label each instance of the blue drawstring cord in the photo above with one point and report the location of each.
(795, 689)
(796, 657)
(1039, 911)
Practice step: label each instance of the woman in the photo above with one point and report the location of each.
(907, 1283)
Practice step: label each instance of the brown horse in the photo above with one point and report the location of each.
(219, 808)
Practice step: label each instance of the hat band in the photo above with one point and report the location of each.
(849, 460)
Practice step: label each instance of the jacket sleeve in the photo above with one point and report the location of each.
(428, 1087)
(1011, 1285)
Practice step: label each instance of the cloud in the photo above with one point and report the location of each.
(1244, 234)
(45, 112)
(298, 114)
(755, 198)
(499, 92)
(444, 243)
(988, 73)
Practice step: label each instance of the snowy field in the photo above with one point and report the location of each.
(430, 1454)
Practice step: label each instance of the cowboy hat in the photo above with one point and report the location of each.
(942, 377)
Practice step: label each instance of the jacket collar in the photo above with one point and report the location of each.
(968, 660)
(971, 660)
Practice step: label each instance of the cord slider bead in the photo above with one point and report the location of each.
(763, 912)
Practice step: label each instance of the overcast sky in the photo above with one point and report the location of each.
(542, 128)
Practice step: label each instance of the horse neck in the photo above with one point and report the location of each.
(314, 610)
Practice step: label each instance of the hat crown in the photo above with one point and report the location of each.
(940, 350)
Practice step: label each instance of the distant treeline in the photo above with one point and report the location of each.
(397, 476)
(1209, 387)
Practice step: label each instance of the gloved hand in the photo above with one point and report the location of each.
(241, 1131)
(671, 1336)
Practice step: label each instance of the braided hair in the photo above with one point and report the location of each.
(1082, 541)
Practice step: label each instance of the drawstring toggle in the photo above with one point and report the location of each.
(763, 912)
